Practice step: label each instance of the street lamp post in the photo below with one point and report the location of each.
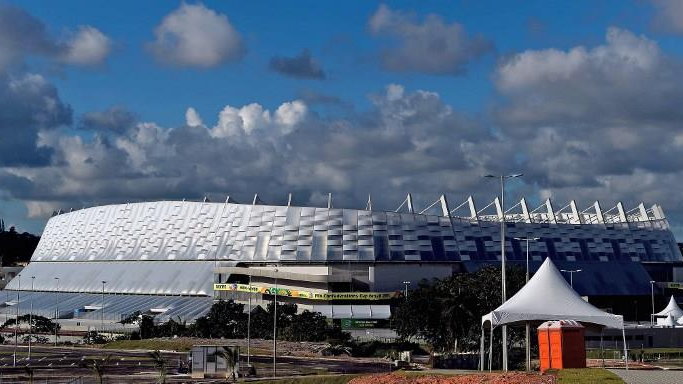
(405, 292)
(275, 326)
(504, 328)
(102, 313)
(571, 275)
(249, 328)
(652, 292)
(30, 320)
(56, 309)
(527, 325)
(16, 323)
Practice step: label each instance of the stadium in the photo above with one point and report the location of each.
(172, 259)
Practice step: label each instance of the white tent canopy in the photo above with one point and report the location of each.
(548, 296)
(671, 309)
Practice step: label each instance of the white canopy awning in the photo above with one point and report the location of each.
(548, 296)
(671, 309)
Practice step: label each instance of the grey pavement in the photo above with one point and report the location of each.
(649, 377)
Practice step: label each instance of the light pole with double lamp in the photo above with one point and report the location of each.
(275, 326)
(527, 325)
(102, 313)
(56, 309)
(504, 328)
(249, 328)
(652, 292)
(571, 273)
(405, 292)
(30, 319)
(16, 322)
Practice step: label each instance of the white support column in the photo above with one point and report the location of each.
(578, 218)
(329, 201)
(289, 199)
(622, 213)
(499, 208)
(444, 206)
(551, 212)
(598, 213)
(643, 212)
(525, 210)
(256, 199)
(368, 206)
(658, 211)
(409, 200)
(473, 208)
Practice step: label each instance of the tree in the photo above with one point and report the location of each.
(160, 365)
(230, 356)
(41, 324)
(225, 319)
(448, 312)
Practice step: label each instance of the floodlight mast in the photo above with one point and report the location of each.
(502, 179)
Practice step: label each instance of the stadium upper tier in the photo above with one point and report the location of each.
(172, 247)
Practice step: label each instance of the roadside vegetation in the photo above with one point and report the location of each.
(587, 376)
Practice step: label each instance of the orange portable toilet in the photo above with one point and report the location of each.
(561, 345)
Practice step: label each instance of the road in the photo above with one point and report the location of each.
(649, 377)
(64, 364)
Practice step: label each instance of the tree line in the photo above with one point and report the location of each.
(227, 319)
(16, 247)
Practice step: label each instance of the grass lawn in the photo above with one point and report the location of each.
(322, 379)
(151, 344)
(587, 376)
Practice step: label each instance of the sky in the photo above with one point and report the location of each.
(114, 102)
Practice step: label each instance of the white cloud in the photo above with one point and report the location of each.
(192, 118)
(88, 46)
(196, 36)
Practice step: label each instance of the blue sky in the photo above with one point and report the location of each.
(525, 85)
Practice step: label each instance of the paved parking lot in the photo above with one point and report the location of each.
(649, 377)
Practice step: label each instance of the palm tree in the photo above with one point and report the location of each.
(97, 366)
(160, 365)
(230, 357)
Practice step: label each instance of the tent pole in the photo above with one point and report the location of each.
(528, 346)
(623, 336)
(490, 347)
(481, 350)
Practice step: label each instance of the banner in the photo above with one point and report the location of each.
(307, 294)
(674, 285)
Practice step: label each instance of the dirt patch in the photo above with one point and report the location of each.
(490, 378)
